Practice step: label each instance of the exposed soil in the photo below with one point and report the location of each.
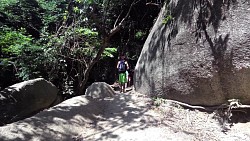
(125, 117)
(132, 117)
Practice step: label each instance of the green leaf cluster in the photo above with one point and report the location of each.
(109, 52)
(19, 50)
(140, 34)
(50, 11)
(167, 19)
(86, 32)
(13, 42)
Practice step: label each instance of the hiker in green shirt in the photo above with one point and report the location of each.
(122, 67)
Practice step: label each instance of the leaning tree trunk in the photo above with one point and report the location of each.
(105, 43)
(82, 84)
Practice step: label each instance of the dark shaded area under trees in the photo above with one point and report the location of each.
(71, 43)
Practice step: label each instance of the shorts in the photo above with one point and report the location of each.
(122, 78)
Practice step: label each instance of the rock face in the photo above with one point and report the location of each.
(99, 90)
(198, 52)
(58, 123)
(25, 98)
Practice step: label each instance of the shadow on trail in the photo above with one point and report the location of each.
(240, 116)
(74, 117)
(59, 123)
(125, 113)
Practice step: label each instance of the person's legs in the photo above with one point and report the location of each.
(125, 82)
(123, 87)
(129, 81)
(120, 87)
(122, 81)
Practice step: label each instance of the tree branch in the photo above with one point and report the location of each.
(150, 3)
(117, 19)
(117, 28)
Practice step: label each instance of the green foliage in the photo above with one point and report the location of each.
(51, 11)
(31, 62)
(58, 39)
(19, 50)
(167, 19)
(87, 41)
(6, 3)
(167, 15)
(86, 32)
(109, 52)
(140, 35)
(12, 42)
(22, 14)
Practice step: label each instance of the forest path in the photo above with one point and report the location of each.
(130, 117)
(124, 117)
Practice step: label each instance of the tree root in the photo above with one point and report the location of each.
(232, 104)
(223, 112)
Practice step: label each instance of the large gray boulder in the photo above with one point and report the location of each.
(200, 54)
(99, 90)
(23, 99)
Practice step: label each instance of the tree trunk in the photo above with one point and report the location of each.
(105, 44)
(82, 85)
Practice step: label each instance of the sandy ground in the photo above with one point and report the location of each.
(125, 117)
(131, 117)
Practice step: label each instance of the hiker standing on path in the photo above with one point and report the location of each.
(122, 67)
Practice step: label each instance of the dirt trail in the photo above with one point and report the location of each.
(131, 117)
(125, 117)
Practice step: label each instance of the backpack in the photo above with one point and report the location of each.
(122, 66)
